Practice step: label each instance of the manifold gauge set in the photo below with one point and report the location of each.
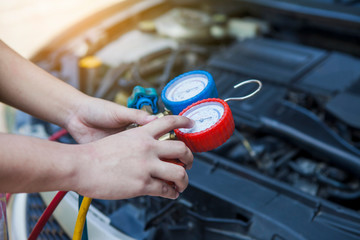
(194, 95)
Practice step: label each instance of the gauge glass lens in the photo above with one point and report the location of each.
(205, 115)
(186, 87)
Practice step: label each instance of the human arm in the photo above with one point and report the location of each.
(118, 166)
(27, 87)
(123, 165)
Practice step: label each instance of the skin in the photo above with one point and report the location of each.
(110, 162)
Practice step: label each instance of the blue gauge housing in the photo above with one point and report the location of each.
(176, 107)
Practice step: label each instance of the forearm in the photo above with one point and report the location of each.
(25, 86)
(31, 165)
(123, 165)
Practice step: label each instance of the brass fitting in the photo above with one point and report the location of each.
(168, 136)
(163, 114)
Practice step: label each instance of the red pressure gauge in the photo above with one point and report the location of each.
(214, 124)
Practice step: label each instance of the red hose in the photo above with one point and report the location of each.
(8, 196)
(58, 134)
(46, 215)
(54, 203)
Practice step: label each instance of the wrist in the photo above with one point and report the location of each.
(81, 175)
(68, 168)
(77, 103)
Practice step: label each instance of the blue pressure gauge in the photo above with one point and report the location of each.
(188, 88)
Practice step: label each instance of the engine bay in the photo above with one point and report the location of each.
(291, 170)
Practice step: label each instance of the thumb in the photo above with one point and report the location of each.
(140, 117)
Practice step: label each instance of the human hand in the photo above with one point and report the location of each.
(95, 118)
(128, 164)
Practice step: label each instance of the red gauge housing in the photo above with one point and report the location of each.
(211, 137)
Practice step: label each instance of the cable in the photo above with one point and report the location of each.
(46, 215)
(58, 134)
(80, 221)
(85, 232)
(8, 196)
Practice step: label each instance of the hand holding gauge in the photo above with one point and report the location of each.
(214, 123)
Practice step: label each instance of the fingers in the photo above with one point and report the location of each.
(172, 173)
(175, 150)
(165, 124)
(158, 187)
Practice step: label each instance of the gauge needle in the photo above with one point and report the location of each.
(188, 90)
(203, 119)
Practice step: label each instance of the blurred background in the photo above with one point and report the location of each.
(27, 25)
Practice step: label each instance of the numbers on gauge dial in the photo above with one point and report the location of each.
(186, 88)
(205, 115)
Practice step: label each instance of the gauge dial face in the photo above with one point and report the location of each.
(186, 87)
(205, 116)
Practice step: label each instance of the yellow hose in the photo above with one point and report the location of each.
(80, 221)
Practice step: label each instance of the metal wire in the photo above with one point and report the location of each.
(246, 96)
